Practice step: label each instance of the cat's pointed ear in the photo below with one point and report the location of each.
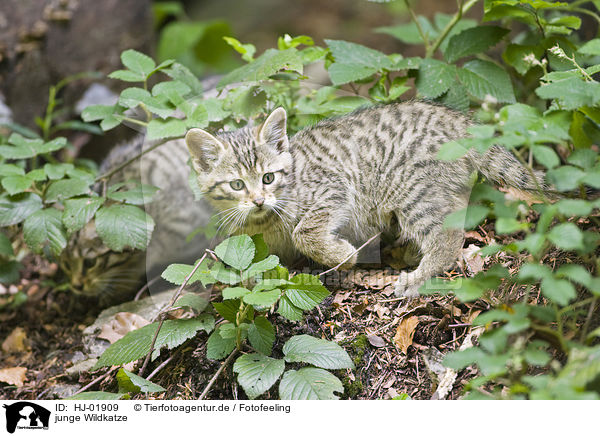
(274, 130)
(204, 148)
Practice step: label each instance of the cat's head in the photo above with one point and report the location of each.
(245, 174)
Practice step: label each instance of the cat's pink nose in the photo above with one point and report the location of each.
(259, 201)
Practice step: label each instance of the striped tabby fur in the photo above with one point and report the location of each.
(330, 187)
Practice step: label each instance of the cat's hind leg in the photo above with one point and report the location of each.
(440, 248)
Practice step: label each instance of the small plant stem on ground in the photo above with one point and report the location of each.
(93, 382)
(216, 376)
(164, 312)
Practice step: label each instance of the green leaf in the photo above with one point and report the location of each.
(574, 207)
(16, 184)
(78, 212)
(467, 218)
(263, 67)
(177, 272)
(222, 274)
(354, 61)
(483, 78)
(566, 177)
(557, 290)
(127, 76)
(473, 40)
(435, 77)
(236, 251)
(44, 228)
(11, 170)
(576, 273)
(318, 352)
(571, 93)
(132, 97)
(218, 347)
(62, 189)
(246, 50)
(9, 272)
(261, 248)
(306, 291)
(566, 236)
(228, 309)
(57, 171)
(137, 62)
(194, 301)
(260, 267)
(262, 298)
(141, 194)
(545, 155)
(6, 248)
(261, 335)
(105, 113)
(534, 271)
(16, 208)
(309, 384)
(257, 373)
(136, 344)
(515, 55)
(130, 382)
(286, 309)
(121, 225)
(409, 33)
(591, 47)
(232, 293)
(451, 151)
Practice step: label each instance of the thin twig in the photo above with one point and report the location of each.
(161, 366)
(415, 19)
(462, 9)
(163, 314)
(352, 254)
(217, 374)
(93, 382)
(588, 319)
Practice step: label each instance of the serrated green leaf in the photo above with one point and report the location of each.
(472, 41)
(60, 190)
(262, 298)
(566, 236)
(11, 170)
(309, 384)
(137, 62)
(236, 251)
(576, 273)
(257, 373)
(286, 309)
(318, 352)
(484, 78)
(44, 228)
(261, 335)
(435, 77)
(260, 267)
(177, 272)
(123, 225)
(222, 274)
(127, 76)
(515, 55)
(218, 347)
(16, 184)
(141, 194)
(264, 66)
(591, 47)
(16, 208)
(236, 292)
(467, 218)
(557, 290)
(306, 291)
(574, 207)
(132, 97)
(354, 61)
(78, 212)
(228, 309)
(571, 93)
(261, 248)
(545, 155)
(136, 344)
(566, 177)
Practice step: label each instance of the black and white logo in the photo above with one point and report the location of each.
(24, 415)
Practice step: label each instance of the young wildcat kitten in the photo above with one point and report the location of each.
(330, 187)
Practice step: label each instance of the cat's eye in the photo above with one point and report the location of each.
(237, 185)
(268, 178)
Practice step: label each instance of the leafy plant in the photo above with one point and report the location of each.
(256, 283)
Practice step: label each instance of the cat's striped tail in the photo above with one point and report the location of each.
(500, 166)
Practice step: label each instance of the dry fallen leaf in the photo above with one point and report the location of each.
(121, 324)
(13, 376)
(405, 332)
(473, 261)
(16, 342)
(376, 341)
(340, 297)
(382, 311)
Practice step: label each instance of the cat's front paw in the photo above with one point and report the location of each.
(403, 287)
